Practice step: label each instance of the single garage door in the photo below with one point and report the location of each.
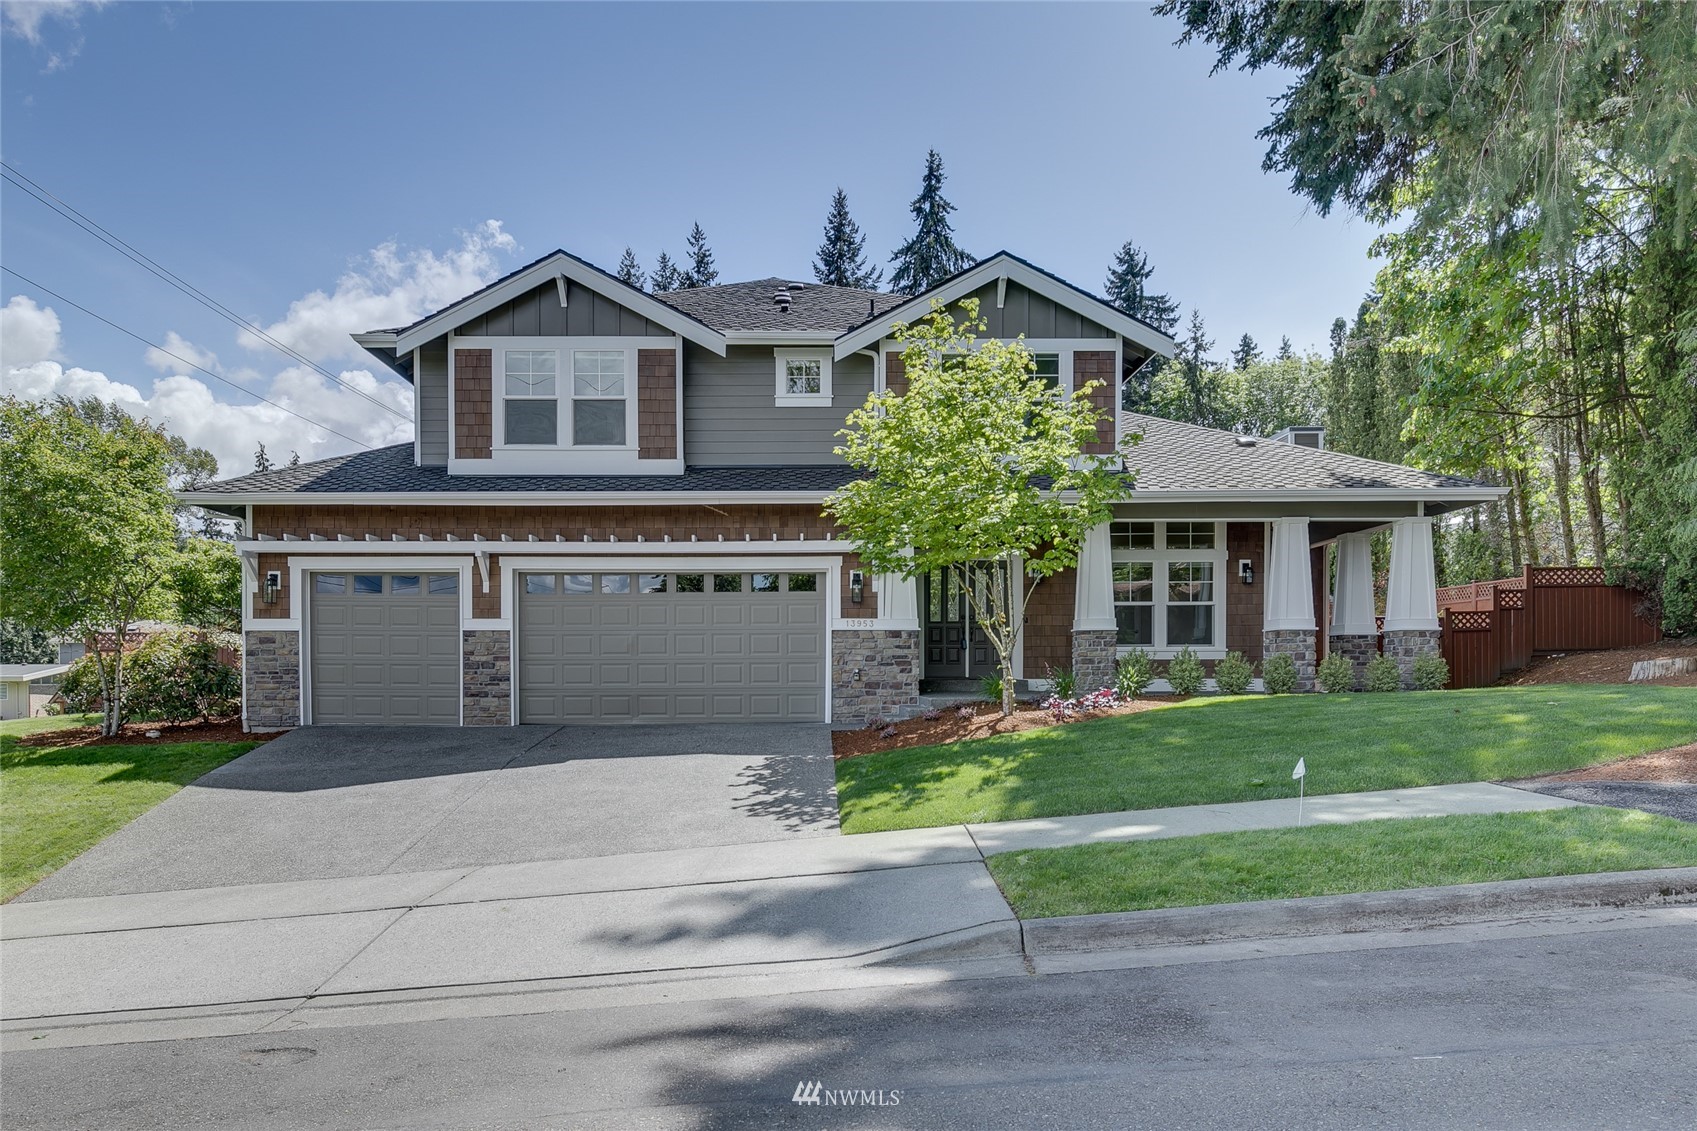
(385, 648)
(660, 647)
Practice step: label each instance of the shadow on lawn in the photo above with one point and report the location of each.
(177, 764)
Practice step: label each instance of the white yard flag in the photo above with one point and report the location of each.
(1301, 770)
(1300, 777)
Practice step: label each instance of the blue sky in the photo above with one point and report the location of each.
(327, 167)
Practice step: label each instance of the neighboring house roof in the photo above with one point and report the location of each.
(17, 673)
(1187, 459)
(390, 470)
(1006, 265)
(751, 307)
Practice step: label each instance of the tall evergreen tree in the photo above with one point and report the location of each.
(1246, 354)
(841, 259)
(666, 275)
(931, 255)
(1286, 351)
(630, 271)
(700, 272)
(1196, 370)
(1128, 288)
(262, 461)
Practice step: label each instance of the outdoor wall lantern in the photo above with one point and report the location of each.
(1246, 571)
(857, 586)
(273, 586)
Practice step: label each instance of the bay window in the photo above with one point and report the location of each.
(1166, 578)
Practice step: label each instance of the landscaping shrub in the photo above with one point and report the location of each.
(80, 687)
(1278, 674)
(1136, 671)
(1063, 682)
(991, 687)
(1336, 674)
(1431, 672)
(1233, 673)
(177, 676)
(1383, 674)
(1184, 672)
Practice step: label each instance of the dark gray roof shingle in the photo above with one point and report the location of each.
(1187, 457)
(748, 306)
(389, 470)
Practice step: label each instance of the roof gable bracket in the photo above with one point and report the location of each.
(560, 282)
(1001, 291)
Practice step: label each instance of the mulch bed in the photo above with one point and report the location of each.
(1676, 765)
(986, 720)
(136, 734)
(1611, 666)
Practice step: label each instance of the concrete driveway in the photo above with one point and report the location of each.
(322, 803)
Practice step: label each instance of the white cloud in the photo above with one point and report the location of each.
(389, 288)
(179, 354)
(23, 18)
(28, 333)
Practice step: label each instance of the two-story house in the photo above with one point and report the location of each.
(611, 511)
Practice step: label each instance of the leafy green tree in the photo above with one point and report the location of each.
(700, 272)
(975, 427)
(88, 534)
(21, 644)
(1267, 396)
(1188, 387)
(841, 258)
(666, 275)
(931, 255)
(1127, 287)
(630, 271)
(206, 584)
(1246, 353)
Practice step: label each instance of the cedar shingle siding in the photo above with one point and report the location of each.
(1245, 603)
(472, 390)
(1098, 365)
(656, 404)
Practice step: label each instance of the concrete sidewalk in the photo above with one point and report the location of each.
(844, 900)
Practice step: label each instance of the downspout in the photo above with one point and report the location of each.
(877, 368)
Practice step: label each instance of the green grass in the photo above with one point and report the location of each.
(57, 802)
(1211, 750)
(1380, 855)
(15, 727)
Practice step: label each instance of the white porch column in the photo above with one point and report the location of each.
(898, 602)
(1352, 601)
(1411, 601)
(1093, 595)
(1290, 583)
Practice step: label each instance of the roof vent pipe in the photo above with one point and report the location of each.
(782, 298)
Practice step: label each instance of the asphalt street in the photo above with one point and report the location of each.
(1570, 1027)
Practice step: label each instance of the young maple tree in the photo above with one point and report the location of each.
(978, 469)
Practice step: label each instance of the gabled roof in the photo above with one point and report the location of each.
(749, 307)
(11, 673)
(556, 263)
(1186, 459)
(1005, 264)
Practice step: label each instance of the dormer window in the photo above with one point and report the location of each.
(565, 398)
(804, 377)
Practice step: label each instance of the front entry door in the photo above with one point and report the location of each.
(955, 647)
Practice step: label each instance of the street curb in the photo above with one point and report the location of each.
(987, 940)
(1412, 909)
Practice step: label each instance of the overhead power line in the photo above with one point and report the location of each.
(216, 377)
(17, 179)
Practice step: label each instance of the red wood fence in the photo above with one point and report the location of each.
(1493, 627)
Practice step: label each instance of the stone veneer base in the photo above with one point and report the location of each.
(271, 678)
(487, 694)
(887, 686)
(1405, 645)
(1298, 644)
(1357, 648)
(1094, 658)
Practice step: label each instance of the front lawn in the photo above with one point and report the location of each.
(1382, 855)
(39, 723)
(1210, 750)
(57, 802)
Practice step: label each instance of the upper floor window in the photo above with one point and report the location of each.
(1048, 369)
(536, 411)
(804, 377)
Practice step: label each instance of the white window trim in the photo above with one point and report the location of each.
(1161, 557)
(786, 399)
(563, 348)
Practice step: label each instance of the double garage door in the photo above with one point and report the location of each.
(670, 647)
(589, 647)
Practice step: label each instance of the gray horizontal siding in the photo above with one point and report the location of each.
(1028, 313)
(730, 418)
(538, 312)
(430, 385)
